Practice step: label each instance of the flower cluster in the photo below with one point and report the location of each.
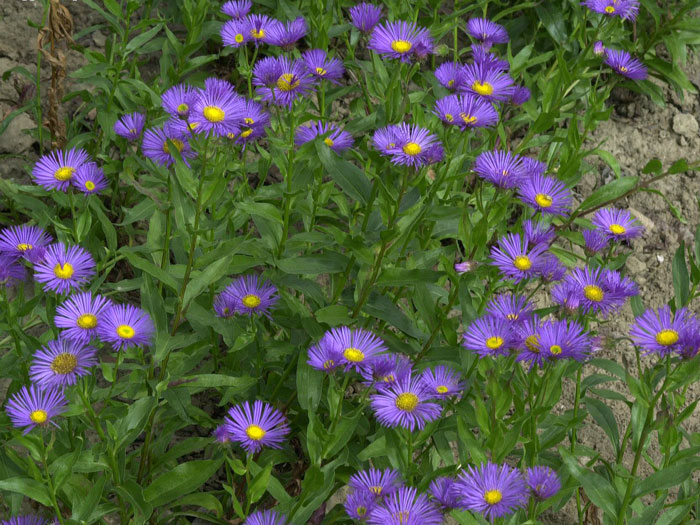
(62, 169)
(665, 333)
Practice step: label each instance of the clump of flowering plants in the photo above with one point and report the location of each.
(326, 264)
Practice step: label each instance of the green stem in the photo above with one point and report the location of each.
(339, 409)
(49, 482)
(288, 193)
(450, 302)
(165, 256)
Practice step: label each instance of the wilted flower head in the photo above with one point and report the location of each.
(405, 507)
(489, 337)
(442, 381)
(493, 490)
(130, 126)
(502, 168)
(398, 40)
(286, 35)
(617, 224)
(257, 426)
(543, 482)
(624, 64)
(89, 178)
(322, 66)
(25, 241)
(625, 9)
(546, 195)
(365, 16)
(60, 363)
(333, 136)
(407, 404)
(124, 326)
(487, 31)
(32, 407)
(377, 482)
(408, 145)
(64, 268)
(515, 259)
(55, 170)
(236, 8)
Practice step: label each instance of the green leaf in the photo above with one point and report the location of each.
(201, 280)
(309, 384)
(84, 508)
(609, 192)
(141, 39)
(404, 277)
(681, 281)
(603, 415)
(666, 478)
(216, 381)
(680, 166)
(610, 160)
(329, 262)
(259, 484)
(653, 166)
(351, 179)
(599, 490)
(151, 269)
(183, 479)
(27, 487)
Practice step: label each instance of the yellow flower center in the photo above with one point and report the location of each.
(89, 185)
(494, 342)
(354, 355)
(617, 229)
(23, 247)
(321, 71)
(330, 363)
(401, 46)
(468, 119)
(450, 83)
(610, 9)
(239, 38)
(543, 200)
(376, 489)
(407, 402)
(402, 516)
(125, 331)
(532, 343)
(493, 496)
(328, 142)
(623, 69)
(667, 337)
(512, 317)
(64, 363)
(287, 82)
(257, 33)
(64, 173)
(63, 272)
(442, 389)
(249, 121)
(39, 416)
(593, 293)
(255, 433)
(412, 149)
(87, 321)
(482, 89)
(522, 262)
(183, 108)
(179, 145)
(246, 133)
(214, 114)
(361, 511)
(389, 379)
(449, 117)
(555, 349)
(251, 301)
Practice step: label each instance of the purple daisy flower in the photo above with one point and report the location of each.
(527, 335)
(488, 60)
(489, 337)
(617, 224)
(625, 64)
(235, 33)
(595, 241)
(520, 95)
(514, 259)
(547, 195)
(424, 47)
(625, 9)
(398, 39)
(28, 520)
(178, 100)
(598, 48)
(359, 348)
(247, 295)
(387, 370)
(281, 80)
(11, 270)
(333, 136)
(130, 126)
(89, 178)
(408, 145)
(537, 232)
(260, 27)
(155, 146)
(61, 363)
(365, 16)
(513, 308)
(221, 435)
(447, 109)
(286, 35)
(563, 340)
(660, 332)
(487, 32)
(489, 83)
(442, 381)
(31, 407)
(543, 482)
(217, 109)
(450, 76)
(475, 112)
(550, 268)
(257, 426)
(236, 8)
(597, 290)
(533, 167)
(326, 355)
(254, 121)
(124, 326)
(322, 66)
(493, 490)
(405, 404)
(377, 482)
(25, 241)
(266, 517)
(405, 507)
(359, 504)
(55, 170)
(80, 315)
(502, 168)
(441, 489)
(64, 268)
(567, 296)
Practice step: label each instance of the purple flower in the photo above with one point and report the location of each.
(624, 64)
(405, 404)
(595, 289)
(442, 381)
(405, 507)
(387, 370)
(89, 178)
(550, 268)
(464, 267)
(254, 120)
(547, 195)
(235, 33)
(333, 136)
(80, 315)
(450, 76)
(408, 145)
(124, 326)
(514, 259)
(64, 268)
(178, 100)
(247, 295)
(28, 520)
(61, 363)
(236, 8)
(377, 482)
(595, 241)
(442, 491)
(322, 66)
(533, 167)
(563, 340)
(266, 517)
(487, 32)
(617, 224)
(286, 35)
(398, 40)
(520, 95)
(31, 407)
(358, 348)
(359, 504)
(25, 241)
(256, 427)
(488, 60)
(662, 332)
(260, 27)
(493, 490)
(155, 146)
(55, 170)
(280, 81)
(625, 9)
(466, 111)
(510, 307)
(598, 48)
(543, 482)
(502, 168)
(130, 126)
(365, 16)
(489, 336)
(527, 335)
(487, 82)
(217, 109)
(537, 232)
(325, 355)
(221, 434)
(11, 270)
